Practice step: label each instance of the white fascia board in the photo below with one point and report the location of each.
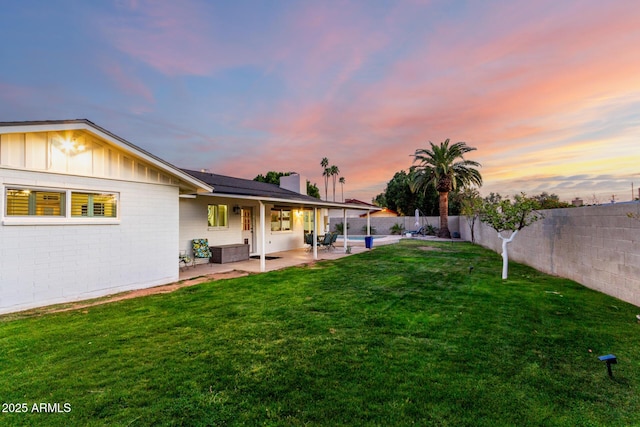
(319, 204)
(112, 139)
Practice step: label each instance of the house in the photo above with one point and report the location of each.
(85, 213)
(266, 217)
(382, 213)
(358, 207)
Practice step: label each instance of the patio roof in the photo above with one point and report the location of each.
(239, 188)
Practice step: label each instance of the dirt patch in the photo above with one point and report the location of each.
(429, 248)
(164, 289)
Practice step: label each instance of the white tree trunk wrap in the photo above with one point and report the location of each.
(505, 254)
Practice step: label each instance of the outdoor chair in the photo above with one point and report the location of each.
(326, 241)
(420, 231)
(184, 260)
(334, 238)
(201, 250)
(308, 240)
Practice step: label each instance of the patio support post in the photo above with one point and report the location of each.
(263, 239)
(315, 233)
(368, 223)
(344, 228)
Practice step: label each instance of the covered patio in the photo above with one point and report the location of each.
(280, 260)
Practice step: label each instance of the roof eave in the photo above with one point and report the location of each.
(88, 126)
(268, 199)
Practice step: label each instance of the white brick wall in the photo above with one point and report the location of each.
(47, 264)
(193, 225)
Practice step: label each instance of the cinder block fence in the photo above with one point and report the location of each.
(597, 246)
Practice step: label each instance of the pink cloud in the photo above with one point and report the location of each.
(173, 37)
(519, 79)
(127, 81)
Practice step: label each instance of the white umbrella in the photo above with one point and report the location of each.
(417, 218)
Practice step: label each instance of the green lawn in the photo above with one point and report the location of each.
(395, 336)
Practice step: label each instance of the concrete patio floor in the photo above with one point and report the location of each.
(285, 259)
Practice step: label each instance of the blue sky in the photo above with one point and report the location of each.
(548, 92)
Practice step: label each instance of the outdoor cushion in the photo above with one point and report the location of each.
(201, 248)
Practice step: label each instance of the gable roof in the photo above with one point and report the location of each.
(187, 182)
(360, 202)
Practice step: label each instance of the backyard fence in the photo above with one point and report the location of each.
(597, 246)
(384, 225)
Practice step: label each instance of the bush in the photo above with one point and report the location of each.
(397, 228)
(430, 230)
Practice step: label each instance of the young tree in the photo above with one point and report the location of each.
(471, 207)
(445, 167)
(550, 201)
(503, 215)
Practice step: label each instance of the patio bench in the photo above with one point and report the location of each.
(222, 254)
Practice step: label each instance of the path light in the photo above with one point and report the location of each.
(610, 359)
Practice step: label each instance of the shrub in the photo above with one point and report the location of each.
(397, 228)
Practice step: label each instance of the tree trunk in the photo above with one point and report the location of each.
(472, 227)
(444, 215)
(505, 253)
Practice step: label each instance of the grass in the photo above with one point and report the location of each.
(396, 336)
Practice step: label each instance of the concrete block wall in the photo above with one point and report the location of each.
(597, 246)
(49, 264)
(383, 225)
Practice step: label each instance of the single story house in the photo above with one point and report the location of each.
(85, 213)
(358, 206)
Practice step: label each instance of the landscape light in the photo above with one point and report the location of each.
(610, 359)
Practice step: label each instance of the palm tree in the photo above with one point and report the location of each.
(445, 167)
(325, 173)
(334, 172)
(342, 181)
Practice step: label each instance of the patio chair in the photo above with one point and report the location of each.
(326, 241)
(201, 250)
(308, 240)
(420, 231)
(334, 238)
(184, 260)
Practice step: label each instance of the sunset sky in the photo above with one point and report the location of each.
(547, 91)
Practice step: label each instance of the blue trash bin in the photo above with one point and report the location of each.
(368, 242)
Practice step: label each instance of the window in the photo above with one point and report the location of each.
(27, 202)
(93, 205)
(217, 215)
(280, 220)
(57, 205)
(246, 219)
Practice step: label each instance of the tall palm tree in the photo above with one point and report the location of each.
(334, 172)
(325, 173)
(342, 181)
(445, 167)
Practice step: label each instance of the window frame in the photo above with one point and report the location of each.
(217, 206)
(66, 217)
(279, 220)
(90, 207)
